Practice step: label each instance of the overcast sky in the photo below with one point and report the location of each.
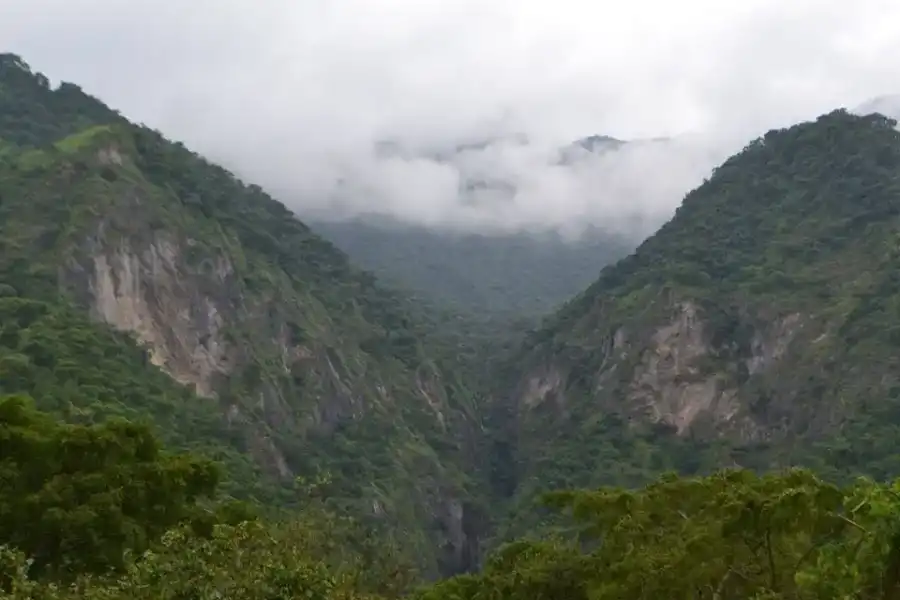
(293, 94)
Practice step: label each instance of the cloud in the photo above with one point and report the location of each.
(512, 184)
(297, 95)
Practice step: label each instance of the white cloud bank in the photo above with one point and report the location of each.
(296, 95)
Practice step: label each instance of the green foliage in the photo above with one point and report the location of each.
(304, 362)
(85, 374)
(498, 276)
(249, 561)
(803, 201)
(762, 319)
(325, 371)
(266, 228)
(734, 534)
(33, 114)
(76, 497)
(101, 511)
(730, 535)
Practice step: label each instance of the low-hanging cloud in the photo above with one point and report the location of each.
(303, 97)
(508, 185)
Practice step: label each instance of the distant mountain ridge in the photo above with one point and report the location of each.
(485, 275)
(517, 273)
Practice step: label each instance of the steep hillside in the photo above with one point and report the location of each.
(489, 275)
(757, 328)
(291, 361)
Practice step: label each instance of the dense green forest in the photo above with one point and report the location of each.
(522, 274)
(100, 512)
(201, 398)
(139, 280)
(757, 328)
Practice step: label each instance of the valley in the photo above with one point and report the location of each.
(501, 276)
(187, 368)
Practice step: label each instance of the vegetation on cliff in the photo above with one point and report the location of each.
(288, 360)
(755, 329)
(172, 339)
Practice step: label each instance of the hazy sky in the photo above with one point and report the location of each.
(293, 93)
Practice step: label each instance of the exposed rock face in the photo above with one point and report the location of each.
(146, 292)
(670, 373)
(668, 380)
(663, 389)
(540, 386)
(770, 345)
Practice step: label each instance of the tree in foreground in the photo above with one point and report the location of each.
(733, 535)
(77, 498)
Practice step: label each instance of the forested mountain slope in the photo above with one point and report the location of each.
(522, 274)
(757, 328)
(490, 273)
(290, 361)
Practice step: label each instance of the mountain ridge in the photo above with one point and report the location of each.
(753, 329)
(314, 367)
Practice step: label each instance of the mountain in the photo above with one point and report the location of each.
(524, 273)
(510, 225)
(496, 273)
(137, 279)
(489, 168)
(594, 144)
(757, 328)
(491, 273)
